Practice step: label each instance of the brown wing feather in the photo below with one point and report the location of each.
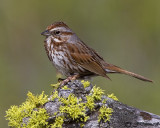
(83, 56)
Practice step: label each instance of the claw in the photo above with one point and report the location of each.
(60, 79)
(70, 78)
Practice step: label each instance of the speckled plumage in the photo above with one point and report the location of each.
(72, 57)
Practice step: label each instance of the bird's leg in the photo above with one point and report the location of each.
(70, 78)
(60, 79)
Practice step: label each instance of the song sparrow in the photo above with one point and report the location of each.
(73, 58)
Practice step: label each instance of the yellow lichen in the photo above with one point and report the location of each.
(37, 100)
(71, 107)
(113, 97)
(105, 113)
(15, 116)
(37, 118)
(55, 86)
(85, 83)
(97, 93)
(58, 122)
(55, 95)
(90, 102)
(65, 88)
(81, 125)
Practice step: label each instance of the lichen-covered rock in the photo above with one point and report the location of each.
(75, 105)
(77, 101)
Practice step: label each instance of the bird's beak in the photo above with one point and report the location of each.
(45, 33)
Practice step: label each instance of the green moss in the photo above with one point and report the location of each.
(58, 122)
(105, 113)
(65, 88)
(85, 83)
(55, 95)
(113, 97)
(97, 93)
(15, 116)
(37, 100)
(72, 107)
(81, 125)
(55, 86)
(104, 101)
(37, 118)
(90, 102)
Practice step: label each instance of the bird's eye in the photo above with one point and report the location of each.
(56, 32)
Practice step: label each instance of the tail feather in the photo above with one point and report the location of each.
(115, 69)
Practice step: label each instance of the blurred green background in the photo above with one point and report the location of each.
(124, 32)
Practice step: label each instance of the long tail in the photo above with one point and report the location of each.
(114, 69)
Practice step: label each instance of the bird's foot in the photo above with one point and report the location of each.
(70, 78)
(60, 80)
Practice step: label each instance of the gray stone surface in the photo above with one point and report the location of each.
(123, 116)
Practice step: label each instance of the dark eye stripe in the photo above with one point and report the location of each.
(67, 33)
(58, 32)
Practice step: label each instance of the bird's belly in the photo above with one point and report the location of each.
(65, 65)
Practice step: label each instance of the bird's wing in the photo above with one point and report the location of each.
(83, 55)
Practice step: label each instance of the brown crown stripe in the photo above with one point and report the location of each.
(57, 24)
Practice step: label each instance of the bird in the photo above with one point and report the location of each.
(74, 59)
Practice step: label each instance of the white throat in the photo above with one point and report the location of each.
(50, 38)
(56, 40)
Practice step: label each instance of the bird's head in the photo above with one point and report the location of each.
(60, 32)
